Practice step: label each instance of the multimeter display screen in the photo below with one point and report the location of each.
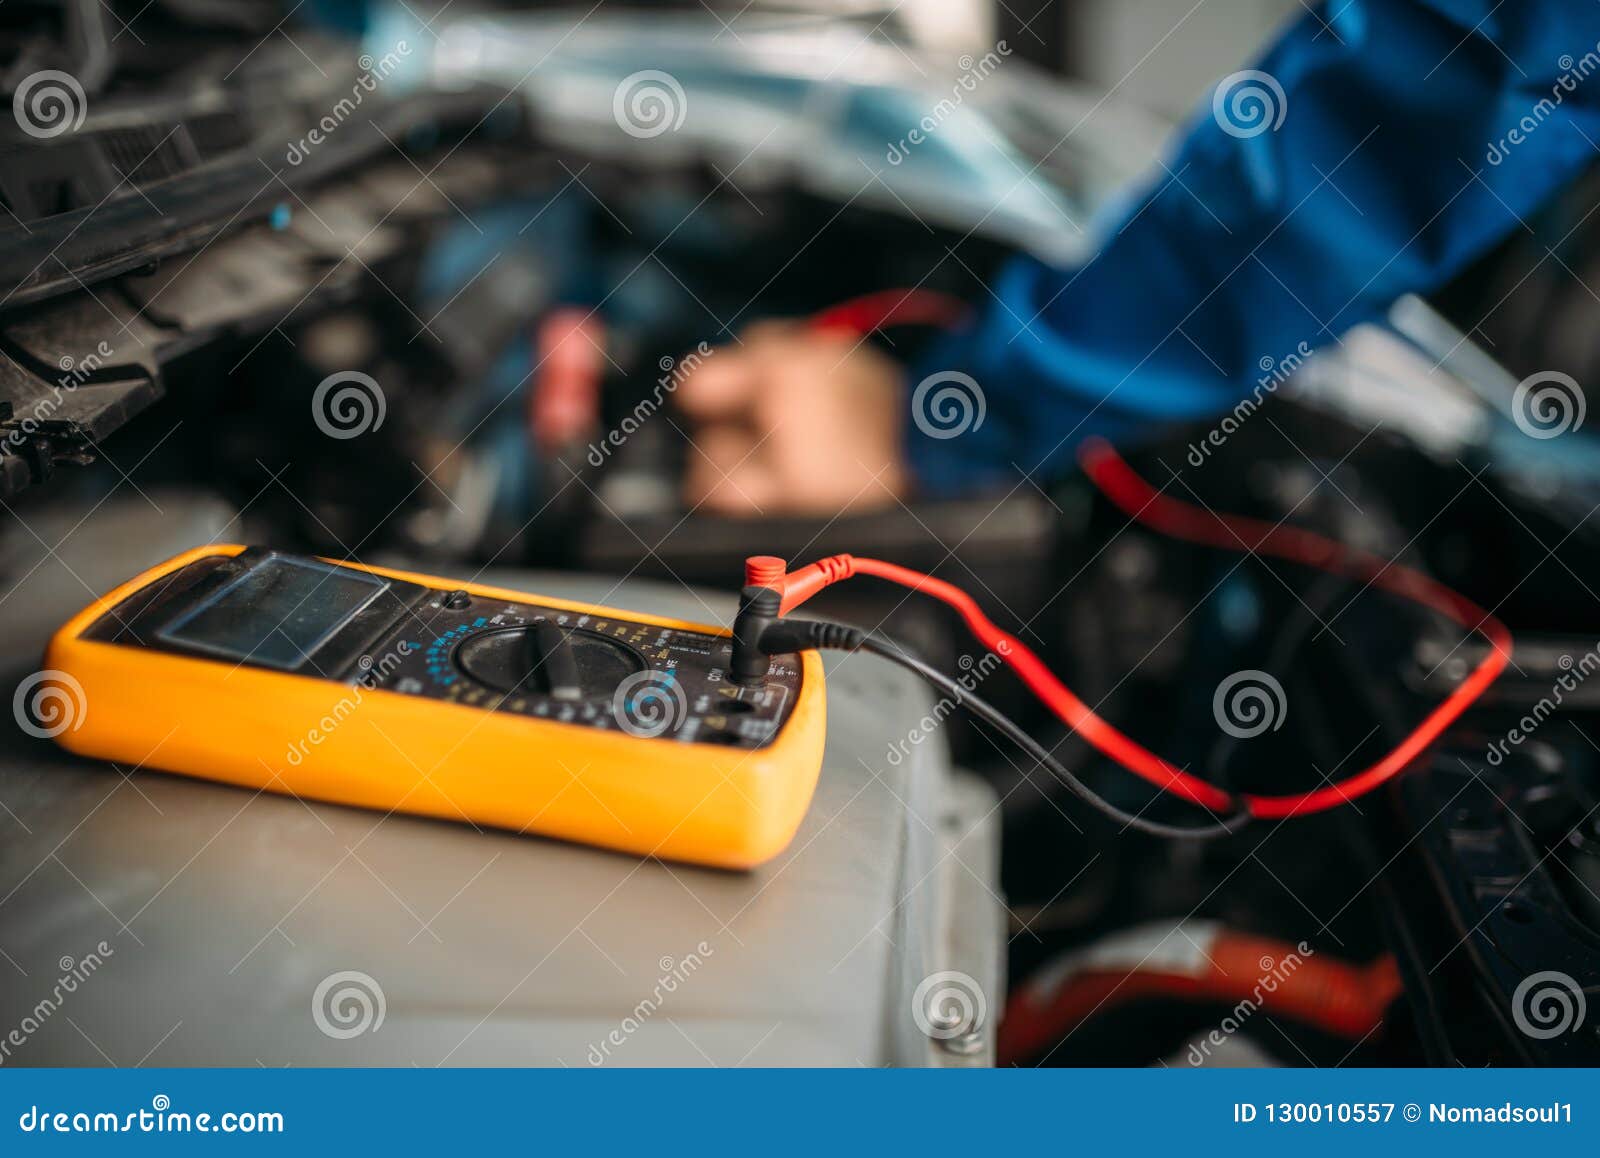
(277, 613)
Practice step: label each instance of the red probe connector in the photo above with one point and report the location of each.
(795, 587)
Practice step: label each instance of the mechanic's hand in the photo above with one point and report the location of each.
(792, 421)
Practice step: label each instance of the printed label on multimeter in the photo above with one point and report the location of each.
(338, 623)
(409, 693)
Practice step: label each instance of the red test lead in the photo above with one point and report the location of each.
(1140, 501)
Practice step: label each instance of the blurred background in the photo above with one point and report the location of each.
(416, 283)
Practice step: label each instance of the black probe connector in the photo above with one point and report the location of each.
(760, 631)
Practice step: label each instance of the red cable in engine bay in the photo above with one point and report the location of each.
(1143, 503)
(1140, 501)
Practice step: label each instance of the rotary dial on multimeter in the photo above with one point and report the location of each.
(406, 692)
(598, 670)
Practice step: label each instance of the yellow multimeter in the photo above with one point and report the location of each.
(409, 693)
